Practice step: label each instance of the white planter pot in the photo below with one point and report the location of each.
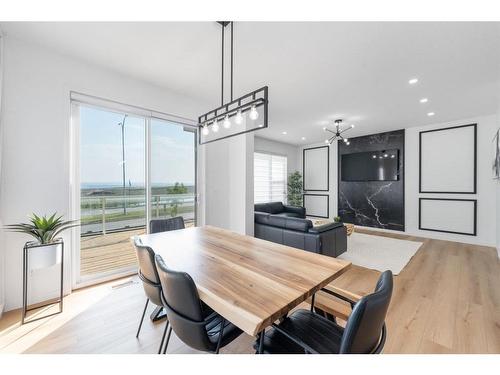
(44, 256)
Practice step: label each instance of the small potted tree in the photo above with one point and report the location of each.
(46, 250)
(295, 189)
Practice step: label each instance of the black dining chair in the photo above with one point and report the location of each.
(305, 331)
(157, 226)
(189, 321)
(150, 281)
(165, 225)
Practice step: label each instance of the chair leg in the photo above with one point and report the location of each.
(168, 339)
(163, 337)
(260, 340)
(219, 341)
(142, 318)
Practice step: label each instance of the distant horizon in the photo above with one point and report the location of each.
(89, 185)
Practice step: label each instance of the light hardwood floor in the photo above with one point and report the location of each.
(446, 300)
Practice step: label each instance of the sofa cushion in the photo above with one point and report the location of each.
(275, 207)
(261, 218)
(289, 214)
(262, 207)
(326, 227)
(301, 225)
(277, 221)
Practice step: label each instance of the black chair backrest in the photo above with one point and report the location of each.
(183, 305)
(364, 327)
(147, 272)
(165, 225)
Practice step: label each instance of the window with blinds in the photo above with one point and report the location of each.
(270, 178)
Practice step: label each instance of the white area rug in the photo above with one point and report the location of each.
(379, 253)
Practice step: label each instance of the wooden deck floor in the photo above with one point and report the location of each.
(109, 252)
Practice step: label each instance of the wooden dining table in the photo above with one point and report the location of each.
(249, 281)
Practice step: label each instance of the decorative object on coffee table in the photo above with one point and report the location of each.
(350, 228)
(46, 251)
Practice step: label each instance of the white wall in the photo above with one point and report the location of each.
(2, 268)
(498, 191)
(228, 179)
(487, 189)
(486, 195)
(280, 148)
(36, 145)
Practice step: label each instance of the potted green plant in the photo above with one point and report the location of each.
(45, 231)
(295, 189)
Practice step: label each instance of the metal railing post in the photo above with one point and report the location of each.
(103, 208)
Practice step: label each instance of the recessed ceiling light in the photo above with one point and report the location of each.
(424, 100)
(284, 133)
(430, 114)
(303, 138)
(413, 81)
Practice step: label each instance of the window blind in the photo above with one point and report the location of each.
(270, 178)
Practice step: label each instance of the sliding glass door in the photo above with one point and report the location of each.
(132, 169)
(173, 171)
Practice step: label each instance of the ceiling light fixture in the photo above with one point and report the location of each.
(215, 126)
(284, 133)
(424, 100)
(413, 81)
(303, 138)
(227, 122)
(337, 133)
(430, 114)
(255, 102)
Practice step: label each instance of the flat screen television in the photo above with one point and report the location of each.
(370, 166)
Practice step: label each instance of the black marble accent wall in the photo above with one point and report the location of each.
(378, 204)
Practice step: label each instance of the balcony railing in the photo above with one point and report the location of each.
(107, 214)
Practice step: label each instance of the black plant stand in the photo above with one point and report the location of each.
(26, 249)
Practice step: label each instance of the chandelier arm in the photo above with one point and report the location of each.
(346, 129)
(328, 130)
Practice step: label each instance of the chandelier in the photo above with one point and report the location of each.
(337, 133)
(244, 114)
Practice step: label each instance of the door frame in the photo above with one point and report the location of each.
(76, 100)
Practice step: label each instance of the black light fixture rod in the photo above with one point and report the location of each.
(222, 60)
(262, 92)
(232, 112)
(231, 60)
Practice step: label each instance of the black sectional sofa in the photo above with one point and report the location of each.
(288, 225)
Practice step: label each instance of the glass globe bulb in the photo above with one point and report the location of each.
(346, 140)
(238, 119)
(254, 115)
(326, 140)
(205, 130)
(215, 127)
(348, 143)
(227, 122)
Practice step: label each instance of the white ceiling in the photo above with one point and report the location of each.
(316, 72)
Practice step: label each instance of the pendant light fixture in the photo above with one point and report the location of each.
(233, 113)
(337, 133)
